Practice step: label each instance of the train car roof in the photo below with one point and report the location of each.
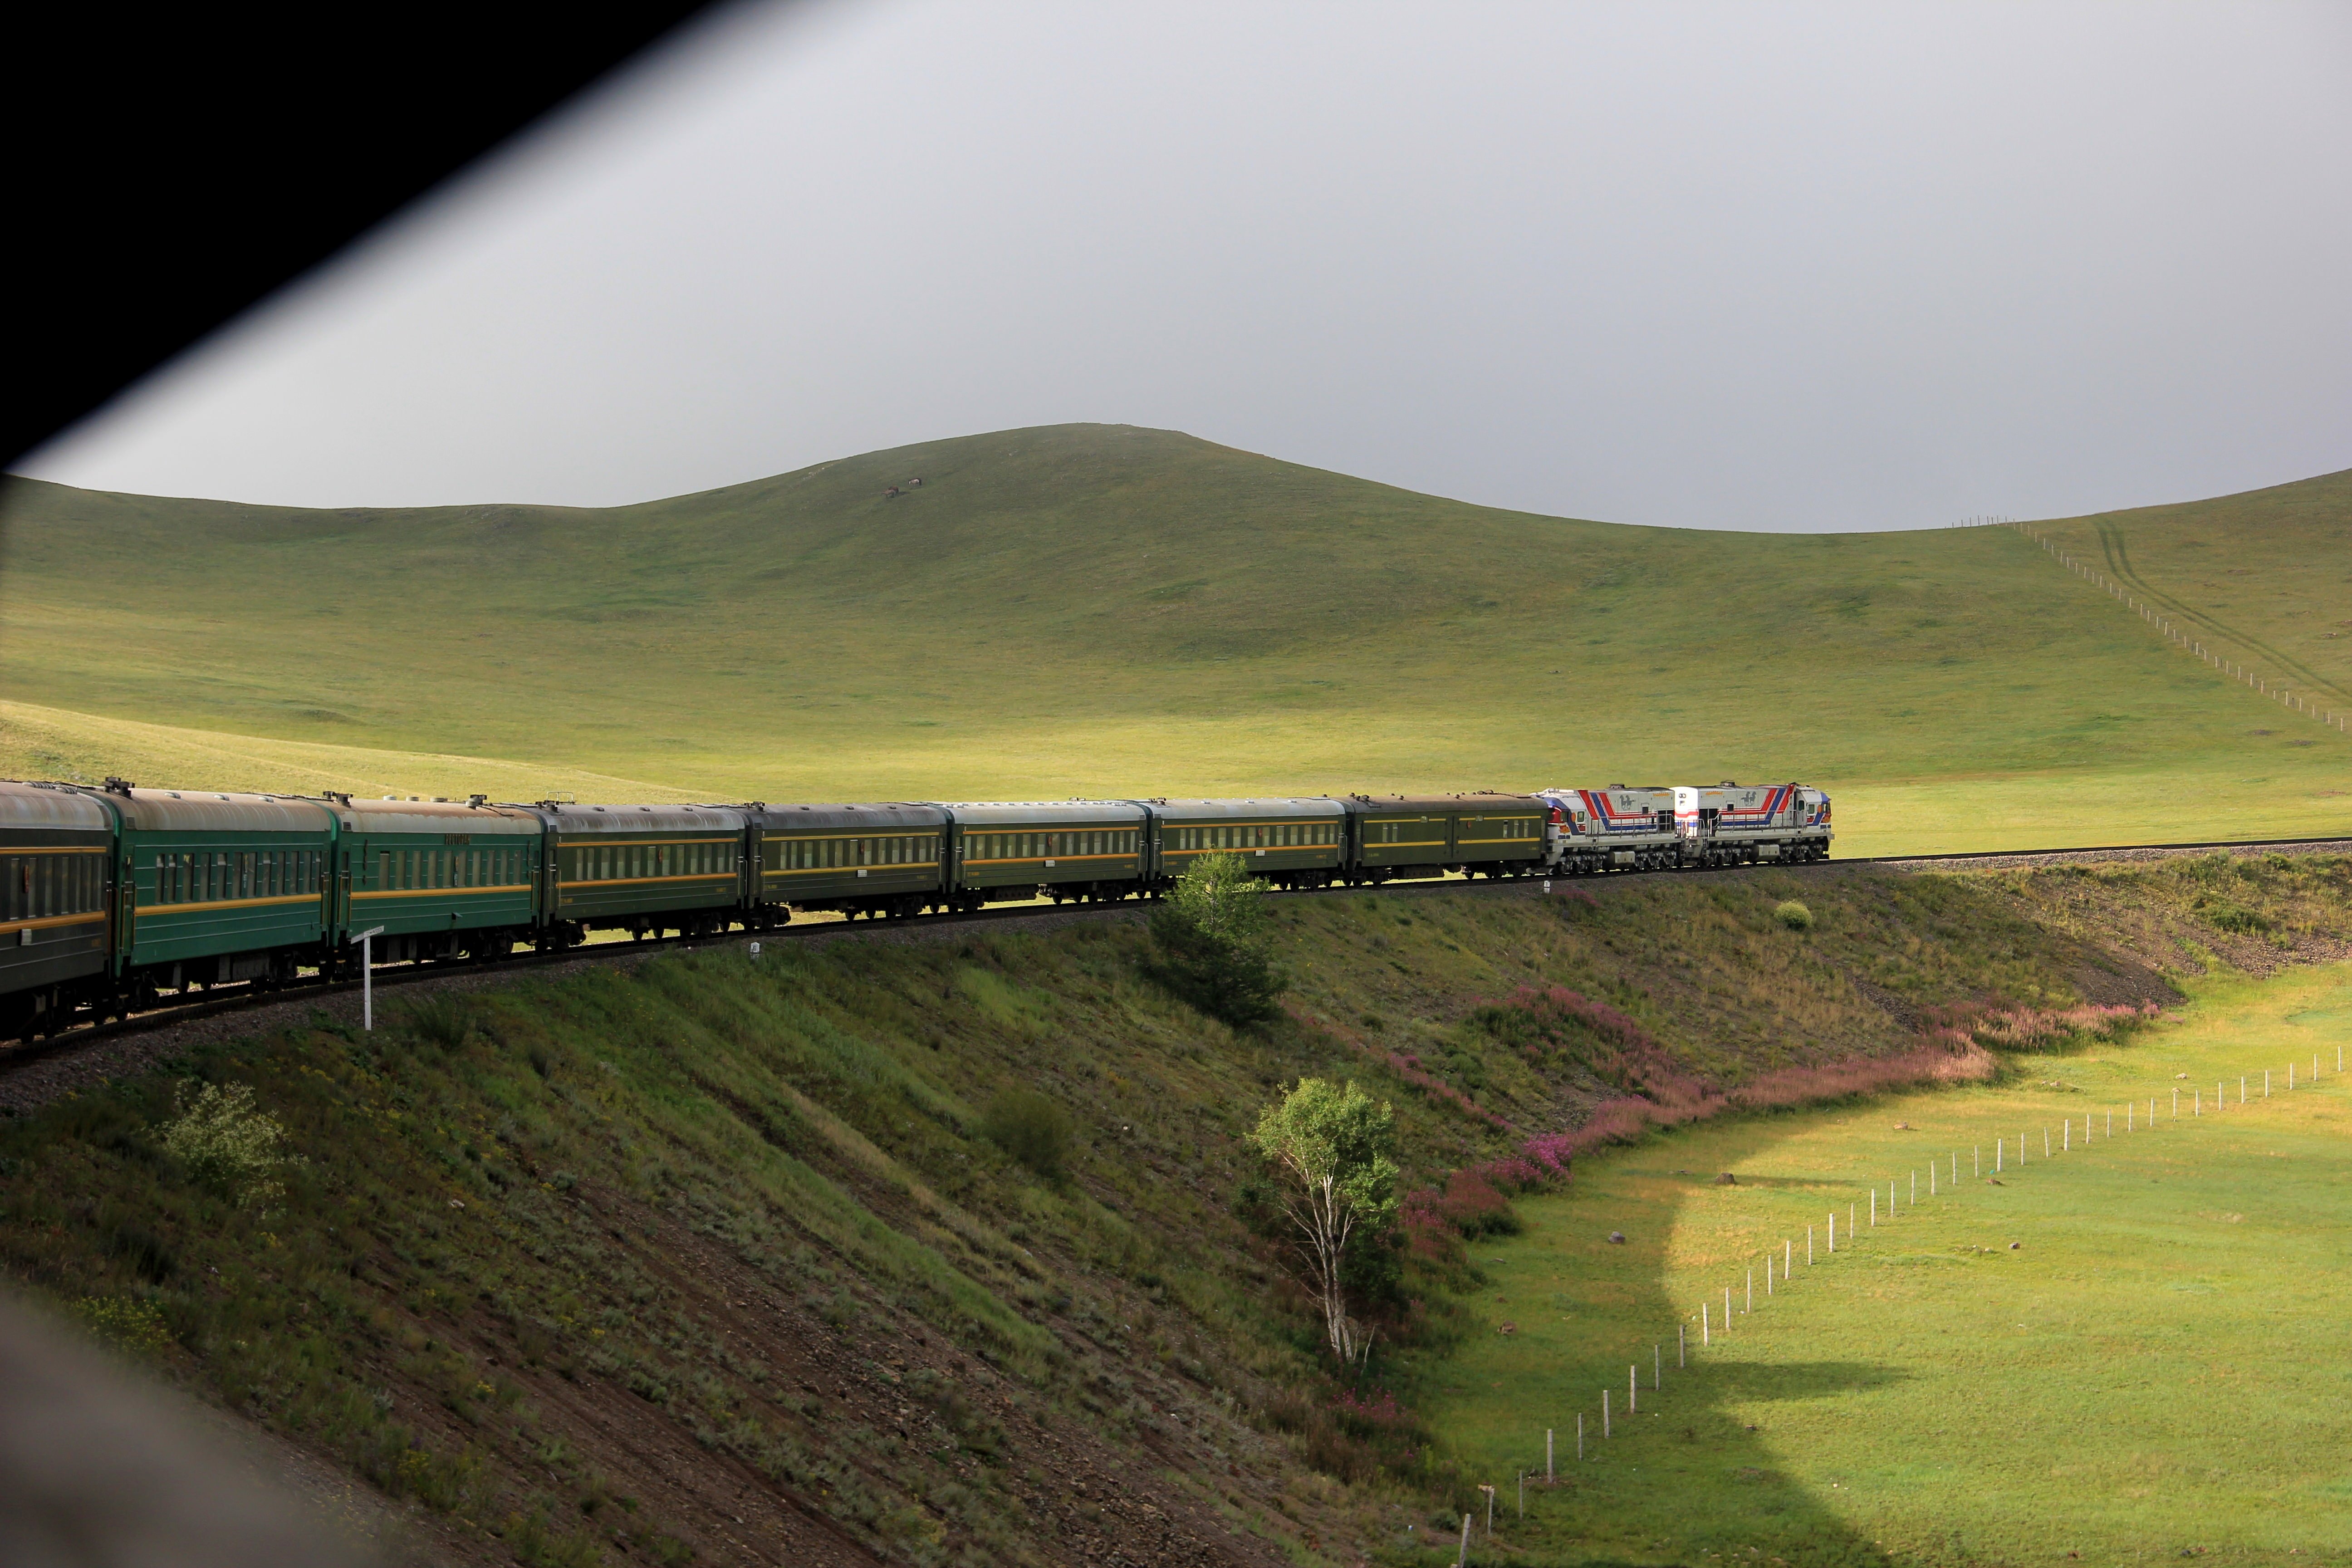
(994, 813)
(1363, 804)
(207, 810)
(1607, 789)
(1269, 805)
(402, 815)
(873, 814)
(569, 818)
(51, 806)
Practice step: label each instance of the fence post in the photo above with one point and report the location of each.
(1463, 1561)
(1604, 1412)
(1547, 1469)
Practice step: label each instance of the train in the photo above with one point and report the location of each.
(114, 898)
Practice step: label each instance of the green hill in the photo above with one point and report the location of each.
(2263, 578)
(1089, 609)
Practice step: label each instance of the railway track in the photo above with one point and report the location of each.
(241, 999)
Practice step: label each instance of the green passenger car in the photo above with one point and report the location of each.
(1399, 835)
(644, 870)
(886, 859)
(1004, 851)
(1292, 843)
(222, 888)
(437, 878)
(56, 846)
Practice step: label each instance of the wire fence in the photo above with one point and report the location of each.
(1787, 1259)
(2286, 696)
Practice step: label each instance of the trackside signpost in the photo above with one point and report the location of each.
(366, 939)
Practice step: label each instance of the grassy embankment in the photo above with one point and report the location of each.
(735, 1253)
(1105, 610)
(2152, 1371)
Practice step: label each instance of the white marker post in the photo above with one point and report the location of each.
(1787, 1256)
(1633, 1390)
(366, 939)
(1706, 1327)
(1751, 1292)
(1547, 1469)
(1682, 1344)
(1604, 1412)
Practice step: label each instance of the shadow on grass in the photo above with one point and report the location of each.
(1690, 1476)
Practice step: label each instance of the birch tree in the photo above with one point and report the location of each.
(1330, 1142)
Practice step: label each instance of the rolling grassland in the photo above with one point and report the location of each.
(699, 1258)
(2264, 579)
(2130, 1350)
(1107, 610)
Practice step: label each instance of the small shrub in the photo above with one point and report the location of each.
(220, 1139)
(2235, 919)
(441, 1019)
(127, 1325)
(1031, 1128)
(1794, 915)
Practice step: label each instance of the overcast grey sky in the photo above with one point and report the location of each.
(1746, 265)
